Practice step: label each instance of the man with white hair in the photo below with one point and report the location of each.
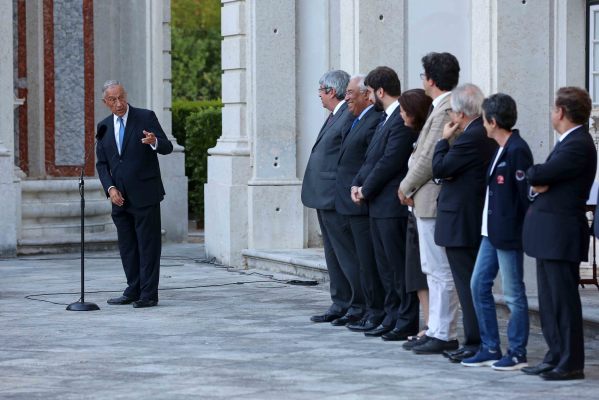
(461, 169)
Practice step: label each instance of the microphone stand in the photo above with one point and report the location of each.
(81, 304)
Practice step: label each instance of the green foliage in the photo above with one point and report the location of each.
(181, 109)
(195, 52)
(202, 129)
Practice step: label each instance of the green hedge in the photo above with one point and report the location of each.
(181, 109)
(202, 129)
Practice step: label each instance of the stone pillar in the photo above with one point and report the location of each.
(172, 166)
(275, 210)
(8, 181)
(225, 193)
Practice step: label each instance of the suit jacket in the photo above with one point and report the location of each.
(135, 172)
(418, 182)
(462, 168)
(556, 227)
(508, 194)
(318, 186)
(351, 157)
(385, 166)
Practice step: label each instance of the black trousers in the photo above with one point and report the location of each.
(389, 240)
(461, 263)
(561, 313)
(140, 245)
(374, 294)
(342, 263)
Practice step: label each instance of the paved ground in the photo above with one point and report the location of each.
(219, 340)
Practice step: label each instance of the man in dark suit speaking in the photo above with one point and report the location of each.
(127, 163)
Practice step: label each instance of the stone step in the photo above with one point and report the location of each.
(67, 243)
(310, 263)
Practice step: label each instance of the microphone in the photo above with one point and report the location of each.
(101, 131)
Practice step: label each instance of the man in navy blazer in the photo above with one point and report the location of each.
(556, 233)
(127, 163)
(461, 167)
(354, 144)
(505, 203)
(385, 166)
(318, 191)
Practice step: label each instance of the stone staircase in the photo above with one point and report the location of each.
(51, 217)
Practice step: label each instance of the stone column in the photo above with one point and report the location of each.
(8, 181)
(275, 210)
(174, 206)
(225, 193)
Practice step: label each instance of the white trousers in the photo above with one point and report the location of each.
(443, 298)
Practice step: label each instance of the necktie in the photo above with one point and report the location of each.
(121, 133)
(354, 123)
(329, 119)
(430, 110)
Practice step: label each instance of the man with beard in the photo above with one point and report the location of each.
(353, 148)
(318, 191)
(376, 183)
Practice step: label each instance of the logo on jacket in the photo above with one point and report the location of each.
(520, 175)
(500, 180)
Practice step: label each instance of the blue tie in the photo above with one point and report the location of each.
(354, 123)
(121, 134)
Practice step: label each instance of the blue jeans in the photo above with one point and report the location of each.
(488, 262)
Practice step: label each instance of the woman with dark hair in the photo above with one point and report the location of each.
(414, 110)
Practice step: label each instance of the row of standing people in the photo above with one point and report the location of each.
(424, 197)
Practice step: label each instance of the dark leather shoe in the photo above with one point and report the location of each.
(396, 335)
(459, 355)
(556, 375)
(121, 300)
(411, 343)
(378, 331)
(145, 303)
(346, 319)
(324, 317)
(435, 346)
(363, 325)
(538, 369)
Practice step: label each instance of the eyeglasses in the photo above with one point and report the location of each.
(112, 100)
(451, 111)
(324, 89)
(423, 76)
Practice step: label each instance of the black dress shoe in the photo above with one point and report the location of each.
(145, 303)
(538, 369)
(363, 325)
(346, 319)
(324, 317)
(396, 335)
(460, 355)
(556, 375)
(121, 300)
(411, 343)
(435, 346)
(378, 331)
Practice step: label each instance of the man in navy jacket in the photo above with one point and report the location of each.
(556, 233)
(461, 168)
(127, 164)
(354, 144)
(386, 164)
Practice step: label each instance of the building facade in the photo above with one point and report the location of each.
(274, 52)
(56, 54)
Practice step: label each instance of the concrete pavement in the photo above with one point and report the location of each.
(212, 337)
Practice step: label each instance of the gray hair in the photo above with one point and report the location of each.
(108, 84)
(336, 79)
(360, 78)
(468, 99)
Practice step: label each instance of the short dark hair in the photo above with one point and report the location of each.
(386, 78)
(416, 104)
(443, 69)
(575, 102)
(501, 108)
